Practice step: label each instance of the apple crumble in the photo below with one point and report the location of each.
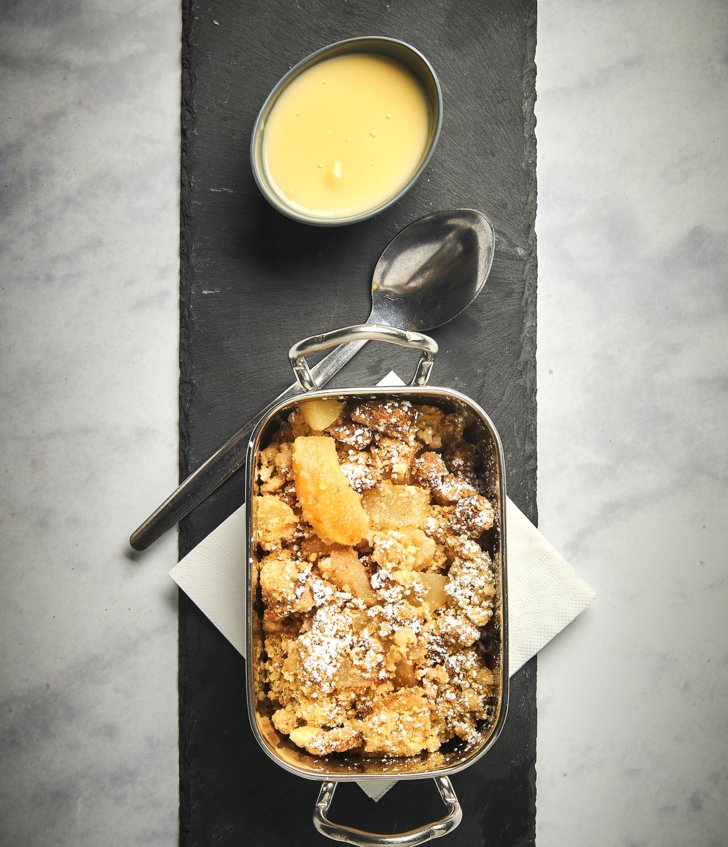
(371, 528)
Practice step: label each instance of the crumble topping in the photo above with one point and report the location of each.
(374, 578)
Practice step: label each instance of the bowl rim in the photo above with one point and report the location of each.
(369, 44)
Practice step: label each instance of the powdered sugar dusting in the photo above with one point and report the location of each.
(375, 648)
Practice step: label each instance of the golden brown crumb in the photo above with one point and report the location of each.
(461, 457)
(472, 516)
(359, 470)
(353, 435)
(389, 417)
(275, 522)
(401, 725)
(298, 424)
(470, 584)
(393, 458)
(284, 585)
(430, 470)
(406, 549)
(322, 742)
(429, 423)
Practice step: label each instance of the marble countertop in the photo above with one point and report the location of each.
(633, 402)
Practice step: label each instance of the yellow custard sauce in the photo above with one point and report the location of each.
(346, 135)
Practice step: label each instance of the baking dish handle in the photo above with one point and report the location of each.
(361, 333)
(350, 835)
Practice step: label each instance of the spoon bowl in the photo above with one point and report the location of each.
(432, 270)
(425, 277)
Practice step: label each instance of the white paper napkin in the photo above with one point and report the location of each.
(544, 592)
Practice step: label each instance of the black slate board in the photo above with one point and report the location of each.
(252, 283)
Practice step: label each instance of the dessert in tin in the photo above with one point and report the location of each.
(372, 527)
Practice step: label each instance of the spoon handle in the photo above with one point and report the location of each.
(229, 458)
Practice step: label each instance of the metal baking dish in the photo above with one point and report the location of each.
(346, 767)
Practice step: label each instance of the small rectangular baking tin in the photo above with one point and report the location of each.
(345, 767)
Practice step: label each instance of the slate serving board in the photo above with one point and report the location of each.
(253, 283)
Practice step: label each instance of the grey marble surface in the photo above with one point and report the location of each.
(88, 362)
(633, 257)
(633, 417)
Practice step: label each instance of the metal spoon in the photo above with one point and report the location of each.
(427, 274)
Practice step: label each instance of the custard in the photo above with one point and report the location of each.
(346, 135)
